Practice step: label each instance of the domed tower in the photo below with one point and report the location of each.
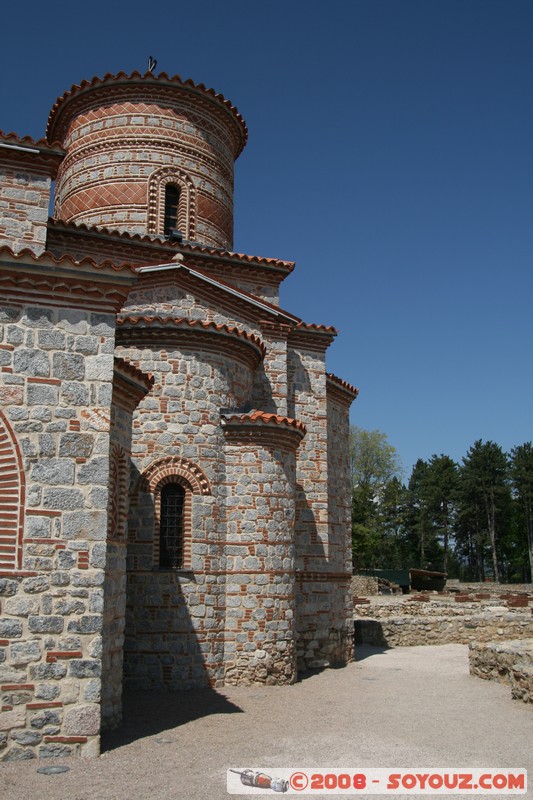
(149, 155)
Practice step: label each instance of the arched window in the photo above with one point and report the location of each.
(171, 527)
(161, 513)
(172, 199)
(171, 203)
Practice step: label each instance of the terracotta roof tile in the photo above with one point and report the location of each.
(227, 287)
(309, 326)
(185, 247)
(27, 141)
(265, 418)
(47, 257)
(181, 322)
(342, 384)
(122, 77)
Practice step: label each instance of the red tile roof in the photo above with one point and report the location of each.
(48, 258)
(226, 287)
(110, 80)
(342, 384)
(182, 322)
(27, 141)
(310, 326)
(267, 419)
(185, 247)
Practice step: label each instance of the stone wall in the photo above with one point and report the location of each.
(57, 371)
(409, 624)
(27, 169)
(509, 662)
(259, 551)
(364, 586)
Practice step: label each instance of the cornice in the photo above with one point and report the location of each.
(77, 96)
(339, 390)
(130, 384)
(231, 342)
(151, 247)
(259, 427)
(38, 155)
(308, 336)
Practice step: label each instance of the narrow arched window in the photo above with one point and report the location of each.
(172, 199)
(171, 526)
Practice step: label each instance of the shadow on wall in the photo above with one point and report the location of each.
(149, 713)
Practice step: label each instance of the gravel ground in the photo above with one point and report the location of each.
(409, 707)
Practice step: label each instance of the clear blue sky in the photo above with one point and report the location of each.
(390, 155)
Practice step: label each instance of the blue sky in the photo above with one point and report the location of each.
(390, 156)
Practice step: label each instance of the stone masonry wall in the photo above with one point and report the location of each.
(174, 625)
(24, 200)
(508, 662)
(258, 548)
(307, 402)
(115, 569)
(55, 387)
(409, 626)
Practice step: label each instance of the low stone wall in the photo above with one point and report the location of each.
(509, 662)
(412, 629)
(364, 586)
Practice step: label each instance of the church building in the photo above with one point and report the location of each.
(174, 466)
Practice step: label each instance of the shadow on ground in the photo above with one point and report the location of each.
(362, 651)
(150, 713)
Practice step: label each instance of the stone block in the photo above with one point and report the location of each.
(82, 720)
(21, 606)
(76, 445)
(36, 585)
(22, 653)
(46, 624)
(63, 499)
(68, 366)
(34, 363)
(84, 668)
(10, 628)
(53, 471)
(16, 718)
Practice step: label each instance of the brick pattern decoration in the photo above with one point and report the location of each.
(118, 493)
(125, 139)
(12, 496)
(186, 206)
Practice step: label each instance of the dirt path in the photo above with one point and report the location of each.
(406, 707)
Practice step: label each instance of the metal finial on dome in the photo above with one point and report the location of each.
(152, 63)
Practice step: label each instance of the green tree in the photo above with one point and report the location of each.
(373, 460)
(441, 482)
(521, 469)
(418, 517)
(374, 463)
(484, 496)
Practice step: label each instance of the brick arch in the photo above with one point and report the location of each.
(171, 469)
(156, 201)
(12, 498)
(175, 466)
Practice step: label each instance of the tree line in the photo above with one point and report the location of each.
(473, 520)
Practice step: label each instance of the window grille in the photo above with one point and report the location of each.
(172, 199)
(171, 526)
